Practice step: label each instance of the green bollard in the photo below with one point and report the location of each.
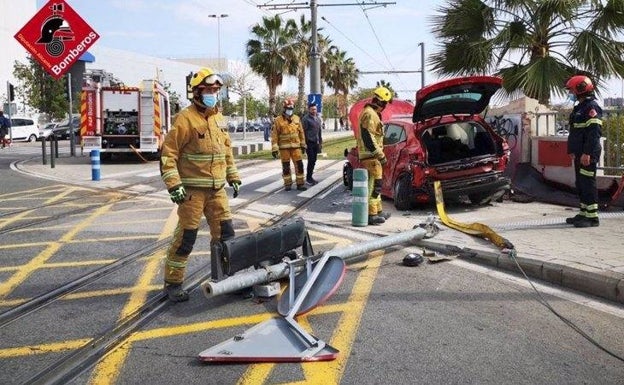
(359, 207)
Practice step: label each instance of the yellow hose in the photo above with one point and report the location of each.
(476, 229)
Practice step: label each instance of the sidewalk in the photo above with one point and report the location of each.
(589, 260)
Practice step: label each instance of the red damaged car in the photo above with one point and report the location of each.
(445, 138)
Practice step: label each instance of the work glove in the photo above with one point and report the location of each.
(383, 161)
(177, 194)
(235, 186)
(275, 154)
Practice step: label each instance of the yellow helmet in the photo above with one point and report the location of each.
(205, 77)
(383, 94)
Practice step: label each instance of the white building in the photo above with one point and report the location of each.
(129, 67)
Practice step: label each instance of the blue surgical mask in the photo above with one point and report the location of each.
(571, 97)
(288, 112)
(210, 100)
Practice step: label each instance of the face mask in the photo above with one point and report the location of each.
(210, 100)
(571, 97)
(288, 112)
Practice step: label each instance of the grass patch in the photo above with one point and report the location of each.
(334, 148)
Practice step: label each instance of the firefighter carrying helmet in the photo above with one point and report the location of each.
(288, 103)
(579, 85)
(383, 94)
(205, 77)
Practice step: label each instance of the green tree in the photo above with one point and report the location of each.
(269, 52)
(300, 58)
(341, 75)
(174, 99)
(40, 90)
(535, 45)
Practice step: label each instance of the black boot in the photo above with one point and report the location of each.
(587, 222)
(384, 215)
(175, 293)
(575, 218)
(301, 188)
(375, 220)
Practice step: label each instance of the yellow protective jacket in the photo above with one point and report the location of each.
(197, 152)
(287, 133)
(370, 136)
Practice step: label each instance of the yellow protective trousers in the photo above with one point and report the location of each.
(375, 171)
(213, 204)
(294, 154)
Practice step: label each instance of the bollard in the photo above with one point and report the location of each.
(44, 161)
(53, 150)
(359, 207)
(95, 164)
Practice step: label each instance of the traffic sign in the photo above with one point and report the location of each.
(316, 99)
(56, 37)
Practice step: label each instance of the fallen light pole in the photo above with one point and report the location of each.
(313, 279)
(277, 271)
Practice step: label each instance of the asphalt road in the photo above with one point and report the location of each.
(443, 323)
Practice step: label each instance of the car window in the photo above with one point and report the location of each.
(394, 134)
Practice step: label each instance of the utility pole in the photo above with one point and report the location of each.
(315, 56)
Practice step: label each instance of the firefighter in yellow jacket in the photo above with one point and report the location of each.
(288, 141)
(370, 148)
(196, 164)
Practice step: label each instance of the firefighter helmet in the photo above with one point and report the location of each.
(383, 94)
(205, 77)
(579, 85)
(288, 103)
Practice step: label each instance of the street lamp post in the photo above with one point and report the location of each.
(219, 17)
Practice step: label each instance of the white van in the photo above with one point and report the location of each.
(23, 128)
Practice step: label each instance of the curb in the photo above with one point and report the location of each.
(588, 280)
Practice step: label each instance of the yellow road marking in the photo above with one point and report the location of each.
(330, 372)
(54, 347)
(107, 370)
(9, 285)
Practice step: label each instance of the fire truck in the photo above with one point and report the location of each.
(120, 119)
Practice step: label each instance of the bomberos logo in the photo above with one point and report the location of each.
(57, 36)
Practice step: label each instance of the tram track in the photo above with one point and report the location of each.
(43, 300)
(123, 190)
(71, 365)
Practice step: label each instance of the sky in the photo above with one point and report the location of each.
(382, 36)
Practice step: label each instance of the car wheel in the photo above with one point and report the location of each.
(403, 197)
(32, 138)
(480, 199)
(347, 176)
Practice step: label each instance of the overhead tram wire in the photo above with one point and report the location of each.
(394, 71)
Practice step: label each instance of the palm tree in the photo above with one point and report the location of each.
(535, 45)
(300, 58)
(324, 45)
(341, 75)
(269, 53)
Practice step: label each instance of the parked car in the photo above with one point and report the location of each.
(62, 130)
(445, 139)
(46, 131)
(24, 129)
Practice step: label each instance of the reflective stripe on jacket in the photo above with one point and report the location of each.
(370, 136)
(197, 152)
(287, 133)
(585, 129)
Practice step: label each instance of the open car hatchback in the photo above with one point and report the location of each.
(445, 139)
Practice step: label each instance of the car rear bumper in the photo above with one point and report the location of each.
(488, 183)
